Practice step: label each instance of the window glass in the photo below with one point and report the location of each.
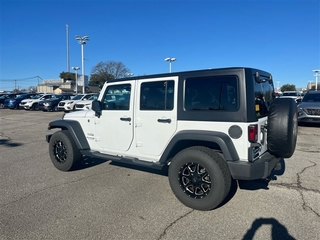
(211, 93)
(117, 97)
(157, 95)
(263, 98)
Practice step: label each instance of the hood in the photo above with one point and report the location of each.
(315, 105)
(80, 114)
(85, 101)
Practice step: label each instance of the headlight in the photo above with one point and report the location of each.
(68, 103)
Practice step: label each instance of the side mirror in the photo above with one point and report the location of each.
(96, 106)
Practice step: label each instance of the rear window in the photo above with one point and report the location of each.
(211, 93)
(264, 96)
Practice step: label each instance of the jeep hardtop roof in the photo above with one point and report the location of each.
(219, 71)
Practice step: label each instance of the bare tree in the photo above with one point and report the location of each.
(104, 71)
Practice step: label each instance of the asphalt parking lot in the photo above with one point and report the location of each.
(104, 200)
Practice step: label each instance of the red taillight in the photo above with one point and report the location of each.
(253, 133)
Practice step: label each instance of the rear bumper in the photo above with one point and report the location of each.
(259, 169)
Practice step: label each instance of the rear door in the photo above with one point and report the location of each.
(155, 114)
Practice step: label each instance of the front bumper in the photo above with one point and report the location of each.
(46, 108)
(27, 106)
(259, 169)
(314, 116)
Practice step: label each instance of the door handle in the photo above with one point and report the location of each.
(161, 120)
(127, 119)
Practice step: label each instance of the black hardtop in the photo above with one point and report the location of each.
(203, 72)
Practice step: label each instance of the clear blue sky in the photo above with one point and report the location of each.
(279, 36)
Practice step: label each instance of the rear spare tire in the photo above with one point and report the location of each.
(282, 127)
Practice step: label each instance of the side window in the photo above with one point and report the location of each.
(211, 93)
(263, 98)
(157, 95)
(117, 97)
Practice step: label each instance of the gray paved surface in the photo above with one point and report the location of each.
(103, 200)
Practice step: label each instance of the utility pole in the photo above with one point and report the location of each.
(68, 58)
(316, 75)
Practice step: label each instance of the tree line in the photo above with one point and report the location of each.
(101, 73)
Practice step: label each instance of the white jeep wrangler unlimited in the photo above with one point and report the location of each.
(207, 126)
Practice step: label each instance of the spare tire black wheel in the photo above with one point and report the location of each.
(282, 127)
(199, 177)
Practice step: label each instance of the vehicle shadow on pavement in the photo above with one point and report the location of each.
(88, 162)
(8, 143)
(253, 184)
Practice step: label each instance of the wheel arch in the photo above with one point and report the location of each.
(218, 141)
(75, 130)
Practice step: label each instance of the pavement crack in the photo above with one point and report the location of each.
(174, 222)
(298, 187)
(4, 136)
(307, 151)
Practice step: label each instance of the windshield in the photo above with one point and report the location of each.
(22, 96)
(4, 96)
(94, 97)
(78, 97)
(311, 98)
(36, 96)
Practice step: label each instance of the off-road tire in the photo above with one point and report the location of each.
(63, 151)
(282, 127)
(199, 177)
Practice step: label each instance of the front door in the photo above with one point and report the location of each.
(114, 128)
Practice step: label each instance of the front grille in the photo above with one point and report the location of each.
(79, 105)
(314, 112)
(61, 103)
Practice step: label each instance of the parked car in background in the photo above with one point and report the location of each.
(51, 104)
(86, 104)
(13, 103)
(7, 96)
(296, 95)
(33, 104)
(69, 105)
(309, 108)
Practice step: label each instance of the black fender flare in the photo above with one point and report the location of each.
(221, 139)
(74, 129)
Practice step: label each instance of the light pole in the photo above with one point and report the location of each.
(76, 71)
(82, 41)
(170, 60)
(316, 71)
